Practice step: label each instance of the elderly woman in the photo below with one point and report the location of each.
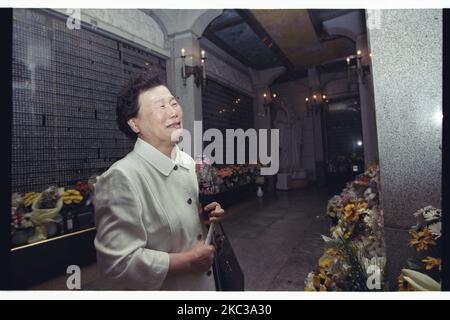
(149, 232)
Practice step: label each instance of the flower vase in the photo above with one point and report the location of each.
(260, 192)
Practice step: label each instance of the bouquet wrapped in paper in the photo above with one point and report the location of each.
(46, 211)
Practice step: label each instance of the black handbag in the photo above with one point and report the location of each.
(228, 274)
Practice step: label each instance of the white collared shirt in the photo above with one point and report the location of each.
(145, 208)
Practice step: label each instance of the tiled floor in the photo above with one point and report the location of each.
(276, 239)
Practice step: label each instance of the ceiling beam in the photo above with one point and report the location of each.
(337, 13)
(264, 36)
(317, 21)
(292, 75)
(233, 21)
(225, 47)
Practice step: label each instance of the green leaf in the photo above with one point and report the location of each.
(415, 264)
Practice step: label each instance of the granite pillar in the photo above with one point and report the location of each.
(406, 49)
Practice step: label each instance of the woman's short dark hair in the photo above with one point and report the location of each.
(128, 101)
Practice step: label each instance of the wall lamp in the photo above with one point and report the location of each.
(199, 72)
(314, 102)
(268, 103)
(354, 62)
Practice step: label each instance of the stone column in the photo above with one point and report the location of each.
(183, 29)
(406, 51)
(316, 118)
(189, 96)
(261, 83)
(365, 84)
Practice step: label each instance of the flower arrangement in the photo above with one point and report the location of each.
(45, 215)
(21, 225)
(426, 240)
(214, 179)
(207, 176)
(27, 200)
(36, 212)
(48, 198)
(356, 241)
(345, 163)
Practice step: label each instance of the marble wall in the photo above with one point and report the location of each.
(406, 47)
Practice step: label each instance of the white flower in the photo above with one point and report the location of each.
(369, 195)
(16, 200)
(368, 217)
(435, 229)
(309, 284)
(429, 213)
(26, 222)
(432, 214)
(338, 232)
(326, 239)
(368, 220)
(336, 199)
(334, 202)
(310, 276)
(346, 267)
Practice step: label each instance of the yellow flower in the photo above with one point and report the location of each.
(320, 282)
(349, 207)
(316, 281)
(325, 281)
(431, 262)
(362, 205)
(350, 214)
(331, 252)
(421, 239)
(324, 263)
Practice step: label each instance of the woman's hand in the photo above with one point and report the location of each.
(216, 213)
(201, 257)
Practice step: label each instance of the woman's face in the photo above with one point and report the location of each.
(159, 119)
